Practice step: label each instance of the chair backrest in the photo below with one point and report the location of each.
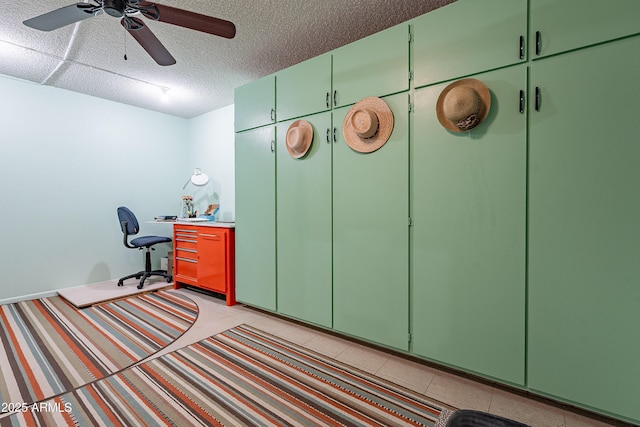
(125, 215)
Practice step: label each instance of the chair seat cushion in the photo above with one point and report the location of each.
(146, 241)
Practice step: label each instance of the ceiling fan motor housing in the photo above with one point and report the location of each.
(115, 8)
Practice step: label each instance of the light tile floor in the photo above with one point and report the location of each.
(455, 390)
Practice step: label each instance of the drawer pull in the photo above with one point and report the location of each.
(193, 251)
(186, 240)
(187, 260)
(185, 230)
(538, 42)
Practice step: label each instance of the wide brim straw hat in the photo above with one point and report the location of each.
(299, 138)
(463, 105)
(368, 125)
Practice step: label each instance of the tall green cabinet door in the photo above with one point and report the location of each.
(377, 65)
(304, 226)
(255, 217)
(560, 26)
(304, 88)
(468, 37)
(255, 104)
(370, 234)
(468, 193)
(584, 228)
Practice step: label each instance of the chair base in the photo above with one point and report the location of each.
(147, 272)
(143, 275)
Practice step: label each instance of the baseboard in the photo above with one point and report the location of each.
(28, 297)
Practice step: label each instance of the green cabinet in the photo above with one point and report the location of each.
(468, 202)
(560, 26)
(584, 228)
(255, 217)
(370, 234)
(467, 37)
(304, 226)
(377, 65)
(255, 104)
(304, 88)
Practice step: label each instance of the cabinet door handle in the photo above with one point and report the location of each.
(521, 47)
(210, 237)
(538, 98)
(335, 98)
(328, 136)
(273, 146)
(273, 115)
(335, 135)
(521, 101)
(538, 43)
(327, 100)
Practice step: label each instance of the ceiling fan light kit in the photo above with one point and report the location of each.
(127, 11)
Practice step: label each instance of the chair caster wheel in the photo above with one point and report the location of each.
(169, 279)
(120, 283)
(140, 286)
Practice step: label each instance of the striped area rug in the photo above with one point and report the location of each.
(49, 347)
(241, 377)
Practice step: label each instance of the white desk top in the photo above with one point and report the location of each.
(198, 223)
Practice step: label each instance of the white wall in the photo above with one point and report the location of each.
(66, 162)
(211, 148)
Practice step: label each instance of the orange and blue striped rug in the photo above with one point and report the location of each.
(49, 347)
(241, 377)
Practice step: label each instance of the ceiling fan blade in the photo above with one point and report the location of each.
(60, 17)
(148, 41)
(186, 19)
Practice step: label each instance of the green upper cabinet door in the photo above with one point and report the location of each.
(255, 217)
(304, 88)
(467, 37)
(371, 236)
(377, 65)
(468, 197)
(255, 104)
(304, 226)
(560, 26)
(584, 228)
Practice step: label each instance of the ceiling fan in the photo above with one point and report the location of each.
(129, 10)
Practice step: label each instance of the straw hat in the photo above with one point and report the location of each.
(463, 105)
(299, 138)
(368, 125)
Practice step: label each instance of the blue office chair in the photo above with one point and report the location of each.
(130, 227)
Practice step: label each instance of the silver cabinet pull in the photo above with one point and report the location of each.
(193, 251)
(187, 260)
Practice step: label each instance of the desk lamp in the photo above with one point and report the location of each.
(198, 179)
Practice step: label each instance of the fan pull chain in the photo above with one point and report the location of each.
(125, 45)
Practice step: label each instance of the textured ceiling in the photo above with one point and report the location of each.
(88, 57)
